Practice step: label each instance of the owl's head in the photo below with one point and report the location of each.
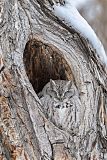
(61, 90)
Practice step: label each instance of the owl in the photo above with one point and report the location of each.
(61, 103)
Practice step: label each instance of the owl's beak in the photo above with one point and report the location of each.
(61, 98)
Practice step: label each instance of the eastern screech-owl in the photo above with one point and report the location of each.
(61, 103)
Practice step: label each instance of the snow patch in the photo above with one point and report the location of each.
(72, 17)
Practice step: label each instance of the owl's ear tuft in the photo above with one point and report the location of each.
(68, 86)
(52, 85)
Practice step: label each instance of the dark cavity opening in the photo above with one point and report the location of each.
(44, 62)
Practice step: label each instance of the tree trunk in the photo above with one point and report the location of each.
(35, 47)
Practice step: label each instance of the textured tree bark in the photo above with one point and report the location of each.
(34, 47)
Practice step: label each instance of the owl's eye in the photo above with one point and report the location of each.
(69, 94)
(53, 93)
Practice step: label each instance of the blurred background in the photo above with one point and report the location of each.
(95, 12)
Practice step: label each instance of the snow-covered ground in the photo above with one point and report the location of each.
(70, 15)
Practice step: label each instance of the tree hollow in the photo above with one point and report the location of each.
(44, 62)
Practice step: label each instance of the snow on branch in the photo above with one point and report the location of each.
(70, 15)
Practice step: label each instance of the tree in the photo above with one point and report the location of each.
(37, 46)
